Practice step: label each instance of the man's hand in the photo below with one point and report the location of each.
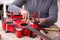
(42, 20)
(24, 13)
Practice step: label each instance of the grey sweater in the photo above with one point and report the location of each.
(48, 9)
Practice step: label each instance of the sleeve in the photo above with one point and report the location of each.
(15, 6)
(53, 13)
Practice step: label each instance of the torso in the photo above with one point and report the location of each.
(36, 5)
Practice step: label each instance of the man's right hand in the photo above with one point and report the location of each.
(24, 13)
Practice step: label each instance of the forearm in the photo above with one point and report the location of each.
(50, 19)
(15, 6)
(14, 9)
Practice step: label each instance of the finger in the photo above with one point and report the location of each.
(23, 16)
(28, 16)
(27, 19)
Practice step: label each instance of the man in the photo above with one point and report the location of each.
(48, 10)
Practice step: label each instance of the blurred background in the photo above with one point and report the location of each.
(1, 8)
(58, 22)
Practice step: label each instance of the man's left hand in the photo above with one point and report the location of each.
(42, 20)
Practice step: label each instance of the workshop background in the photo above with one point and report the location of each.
(58, 22)
(11, 36)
